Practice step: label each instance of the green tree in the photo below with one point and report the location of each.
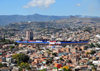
(55, 54)
(91, 45)
(12, 47)
(43, 70)
(25, 66)
(1, 65)
(98, 45)
(61, 59)
(67, 69)
(21, 58)
(92, 52)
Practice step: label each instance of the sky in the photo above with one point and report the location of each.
(50, 7)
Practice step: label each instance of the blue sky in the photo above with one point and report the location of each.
(50, 7)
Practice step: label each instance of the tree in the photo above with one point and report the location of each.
(43, 70)
(61, 59)
(21, 58)
(91, 45)
(66, 68)
(55, 54)
(92, 52)
(11, 48)
(1, 65)
(68, 61)
(98, 45)
(24, 66)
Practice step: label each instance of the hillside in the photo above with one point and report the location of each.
(7, 19)
(72, 23)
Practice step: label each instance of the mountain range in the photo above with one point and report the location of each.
(7, 19)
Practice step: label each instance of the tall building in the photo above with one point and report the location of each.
(29, 35)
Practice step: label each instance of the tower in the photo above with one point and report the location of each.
(29, 35)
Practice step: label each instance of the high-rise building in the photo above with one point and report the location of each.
(29, 35)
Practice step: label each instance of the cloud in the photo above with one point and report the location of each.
(39, 3)
(78, 4)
